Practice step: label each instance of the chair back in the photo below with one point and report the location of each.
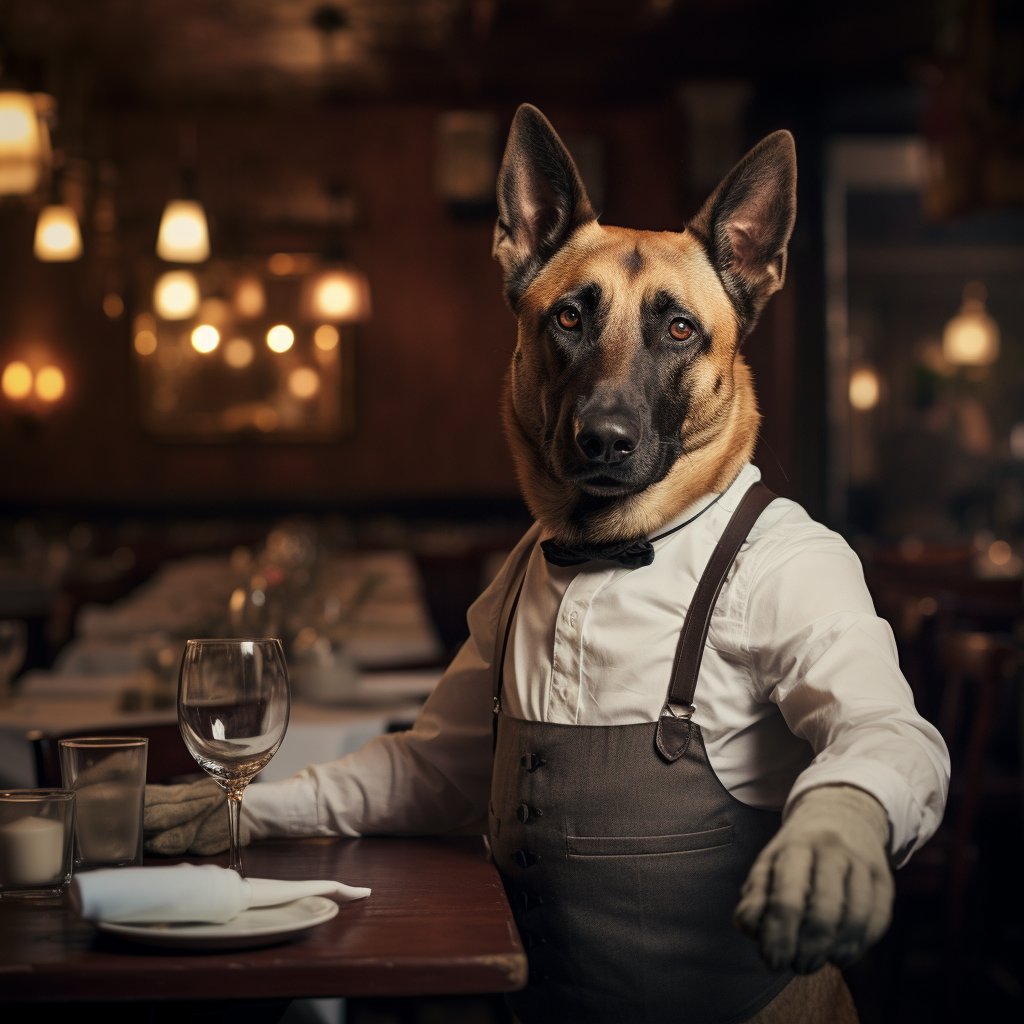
(168, 759)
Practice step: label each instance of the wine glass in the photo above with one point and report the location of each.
(233, 707)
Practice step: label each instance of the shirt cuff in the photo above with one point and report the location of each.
(285, 808)
(908, 828)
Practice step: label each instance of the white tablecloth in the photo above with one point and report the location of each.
(64, 702)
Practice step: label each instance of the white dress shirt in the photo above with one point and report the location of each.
(799, 686)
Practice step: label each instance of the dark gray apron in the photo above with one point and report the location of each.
(623, 855)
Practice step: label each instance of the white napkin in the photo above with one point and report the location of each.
(188, 892)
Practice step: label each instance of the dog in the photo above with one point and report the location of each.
(628, 397)
(639, 871)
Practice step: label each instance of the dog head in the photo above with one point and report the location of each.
(627, 398)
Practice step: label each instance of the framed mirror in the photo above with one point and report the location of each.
(248, 350)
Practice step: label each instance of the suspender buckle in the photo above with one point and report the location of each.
(678, 711)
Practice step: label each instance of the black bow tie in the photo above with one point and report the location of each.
(632, 554)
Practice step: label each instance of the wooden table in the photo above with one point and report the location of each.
(436, 923)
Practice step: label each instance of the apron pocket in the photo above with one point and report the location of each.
(635, 846)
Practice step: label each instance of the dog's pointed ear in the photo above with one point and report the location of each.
(747, 221)
(541, 200)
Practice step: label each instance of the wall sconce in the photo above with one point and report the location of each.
(32, 389)
(338, 295)
(25, 153)
(971, 338)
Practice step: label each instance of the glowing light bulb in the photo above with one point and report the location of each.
(205, 338)
(183, 235)
(50, 384)
(280, 338)
(176, 296)
(58, 238)
(16, 381)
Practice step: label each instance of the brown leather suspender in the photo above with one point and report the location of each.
(674, 727)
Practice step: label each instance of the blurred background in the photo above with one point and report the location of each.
(248, 312)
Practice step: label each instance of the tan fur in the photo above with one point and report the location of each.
(720, 430)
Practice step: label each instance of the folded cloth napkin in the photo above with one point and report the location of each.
(188, 892)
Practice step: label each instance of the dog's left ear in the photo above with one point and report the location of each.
(541, 200)
(747, 221)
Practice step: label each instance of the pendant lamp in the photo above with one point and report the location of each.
(24, 141)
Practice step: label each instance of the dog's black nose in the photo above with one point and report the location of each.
(607, 438)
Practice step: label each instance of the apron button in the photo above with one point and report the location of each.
(524, 812)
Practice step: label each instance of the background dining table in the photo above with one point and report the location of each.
(363, 650)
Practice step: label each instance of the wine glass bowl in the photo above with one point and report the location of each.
(233, 708)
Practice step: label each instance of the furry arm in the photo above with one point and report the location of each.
(822, 889)
(187, 818)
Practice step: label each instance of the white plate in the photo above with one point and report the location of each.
(259, 926)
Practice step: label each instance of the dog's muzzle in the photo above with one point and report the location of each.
(605, 443)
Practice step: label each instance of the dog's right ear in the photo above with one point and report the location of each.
(541, 200)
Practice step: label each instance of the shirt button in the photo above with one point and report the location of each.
(573, 618)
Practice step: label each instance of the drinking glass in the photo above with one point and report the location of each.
(233, 707)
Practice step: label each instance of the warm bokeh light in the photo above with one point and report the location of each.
(280, 338)
(214, 311)
(1000, 552)
(50, 384)
(281, 264)
(58, 238)
(145, 343)
(341, 295)
(865, 388)
(205, 338)
(250, 299)
(971, 338)
(176, 296)
(16, 381)
(113, 305)
(326, 337)
(238, 353)
(24, 143)
(303, 382)
(183, 236)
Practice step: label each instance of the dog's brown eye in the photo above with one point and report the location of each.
(680, 329)
(568, 318)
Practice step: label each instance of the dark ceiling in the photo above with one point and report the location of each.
(162, 52)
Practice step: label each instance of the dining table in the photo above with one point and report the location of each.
(436, 922)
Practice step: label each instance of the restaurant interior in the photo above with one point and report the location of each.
(253, 343)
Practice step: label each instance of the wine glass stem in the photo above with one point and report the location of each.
(235, 831)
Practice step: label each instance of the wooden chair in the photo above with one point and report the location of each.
(167, 761)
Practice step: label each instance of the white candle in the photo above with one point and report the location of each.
(31, 852)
